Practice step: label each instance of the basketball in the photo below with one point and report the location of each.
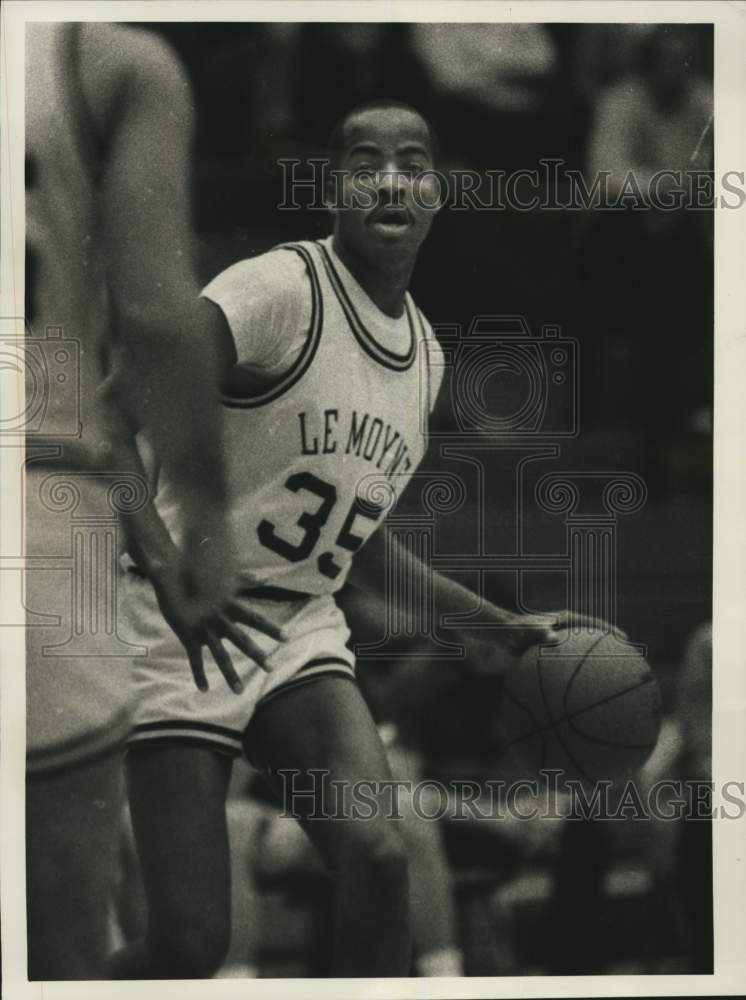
(589, 706)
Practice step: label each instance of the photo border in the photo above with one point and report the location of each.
(729, 580)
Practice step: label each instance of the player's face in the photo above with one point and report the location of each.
(388, 193)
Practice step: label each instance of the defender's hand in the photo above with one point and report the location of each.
(191, 629)
(196, 628)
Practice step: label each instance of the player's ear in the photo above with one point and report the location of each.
(333, 190)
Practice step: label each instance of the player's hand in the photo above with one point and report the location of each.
(190, 626)
(197, 627)
(520, 631)
(494, 650)
(572, 620)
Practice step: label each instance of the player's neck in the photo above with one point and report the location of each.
(385, 284)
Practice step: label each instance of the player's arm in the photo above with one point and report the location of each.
(382, 558)
(170, 359)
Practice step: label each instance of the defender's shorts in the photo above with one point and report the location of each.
(78, 676)
(169, 706)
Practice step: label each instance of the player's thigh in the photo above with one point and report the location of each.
(73, 818)
(320, 750)
(177, 803)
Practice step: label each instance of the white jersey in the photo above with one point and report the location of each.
(318, 458)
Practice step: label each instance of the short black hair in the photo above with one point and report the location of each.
(337, 137)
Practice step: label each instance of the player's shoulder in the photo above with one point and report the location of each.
(276, 269)
(127, 47)
(267, 301)
(120, 60)
(281, 261)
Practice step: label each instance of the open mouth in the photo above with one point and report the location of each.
(391, 219)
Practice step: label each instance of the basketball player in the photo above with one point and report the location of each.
(324, 411)
(108, 129)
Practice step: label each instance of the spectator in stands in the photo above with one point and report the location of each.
(650, 318)
(489, 87)
(652, 120)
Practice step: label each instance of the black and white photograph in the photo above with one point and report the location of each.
(371, 548)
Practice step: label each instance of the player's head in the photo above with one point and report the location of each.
(384, 191)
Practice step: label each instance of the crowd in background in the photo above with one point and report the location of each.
(635, 289)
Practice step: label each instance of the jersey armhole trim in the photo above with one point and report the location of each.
(303, 361)
(379, 353)
(428, 387)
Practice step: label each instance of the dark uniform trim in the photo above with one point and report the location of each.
(379, 353)
(312, 671)
(306, 356)
(188, 732)
(221, 739)
(169, 739)
(323, 660)
(207, 727)
(428, 394)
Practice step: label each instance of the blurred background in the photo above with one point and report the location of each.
(635, 290)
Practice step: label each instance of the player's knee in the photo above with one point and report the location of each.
(379, 856)
(193, 949)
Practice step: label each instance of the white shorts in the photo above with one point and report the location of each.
(78, 677)
(170, 707)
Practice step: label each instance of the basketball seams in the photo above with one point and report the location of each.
(547, 684)
(576, 671)
(573, 715)
(538, 729)
(611, 743)
(553, 722)
(609, 697)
